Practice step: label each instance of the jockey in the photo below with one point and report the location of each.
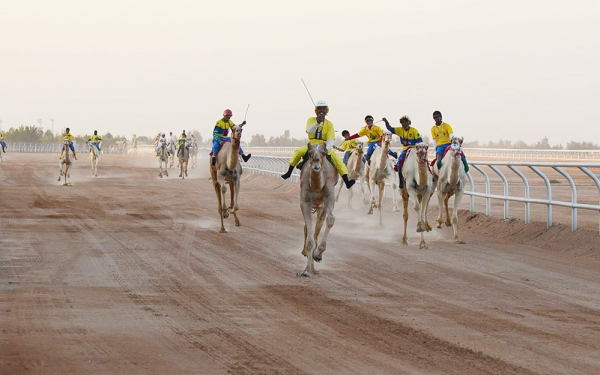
(2, 143)
(220, 134)
(67, 136)
(172, 139)
(442, 133)
(320, 130)
(409, 137)
(347, 147)
(159, 144)
(374, 133)
(95, 141)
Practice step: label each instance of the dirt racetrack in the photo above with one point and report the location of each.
(126, 273)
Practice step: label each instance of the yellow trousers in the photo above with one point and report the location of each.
(337, 161)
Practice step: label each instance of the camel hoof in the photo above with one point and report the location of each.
(458, 241)
(222, 230)
(304, 274)
(423, 245)
(238, 224)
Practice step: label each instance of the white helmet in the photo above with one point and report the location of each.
(322, 103)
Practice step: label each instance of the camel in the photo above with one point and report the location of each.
(94, 158)
(228, 170)
(451, 181)
(317, 194)
(194, 154)
(356, 171)
(134, 146)
(419, 187)
(65, 162)
(162, 159)
(183, 154)
(381, 169)
(172, 152)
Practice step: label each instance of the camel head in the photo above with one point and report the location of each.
(456, 144)
(360, 147)
(422, 148)
(236, 132)
(317, 156)
(386, 138)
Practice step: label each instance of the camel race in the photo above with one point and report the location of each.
(302, 188)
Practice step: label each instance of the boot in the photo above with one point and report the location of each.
(439, 164)
(401, 180)
(394, 154)
(213, 160)
(288, 174)
(466, 165)
(246, 157)
(61, 153)
(348, 182)
(368, 157)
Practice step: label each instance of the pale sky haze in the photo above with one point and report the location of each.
(517, 70)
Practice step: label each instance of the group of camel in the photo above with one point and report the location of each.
(166, 158)
(318, 178)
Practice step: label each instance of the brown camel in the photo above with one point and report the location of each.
(356, 171)
(228, 170)
(419, 187)
(451, 181)
(317, 194)
(381, 169)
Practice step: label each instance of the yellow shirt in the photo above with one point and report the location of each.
(349, 145)
(374, 134)
(67, 137)
(441, 133)
(324, 131)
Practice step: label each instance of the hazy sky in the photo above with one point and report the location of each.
(512, 69)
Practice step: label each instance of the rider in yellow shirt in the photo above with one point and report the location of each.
(320, 131)
(348, 146)
(2, 143)
(95, 140)
(67, 136)
(220, 133)
(373, 133)
(442, 133)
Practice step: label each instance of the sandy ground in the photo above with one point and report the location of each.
(126, 273)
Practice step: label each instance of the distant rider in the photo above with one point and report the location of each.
(68, 137)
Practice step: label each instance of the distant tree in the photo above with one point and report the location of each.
(24, 134)
(582, 146)
(521, 145)
(544, 144)
(258, 140)
(471, 144)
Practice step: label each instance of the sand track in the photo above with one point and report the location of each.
(126, 273)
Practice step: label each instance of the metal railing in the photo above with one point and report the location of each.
(546, 173)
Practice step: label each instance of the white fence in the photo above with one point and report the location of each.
(530, 183)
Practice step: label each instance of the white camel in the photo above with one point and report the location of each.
(94, 158)
(65, 163)
(183, 154)
(172, 151)
(419, 186)
(162, 160)
(317, 194)
(356, 171)
(451, 181)
(228, 170)
(380, 170)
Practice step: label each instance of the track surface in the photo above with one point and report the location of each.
(126, 273)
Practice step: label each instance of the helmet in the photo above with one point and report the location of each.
(368, 118)
(437, 113)
(322, 103)
(227, 112)
(405, 117)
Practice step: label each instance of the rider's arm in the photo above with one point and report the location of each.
(354, 136)
(389, 127)
(312, 128)
(329, 144)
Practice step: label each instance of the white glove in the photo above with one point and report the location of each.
(329, 144)
(312, 129)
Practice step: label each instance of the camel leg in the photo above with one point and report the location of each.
(235, 190)
(446, 198)
(405, 215)
(457, 197)
(372, 196)
(309, 240)
(381, 186)
(217, 187)
(439, 220)
(326, 215)
(223, 200)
